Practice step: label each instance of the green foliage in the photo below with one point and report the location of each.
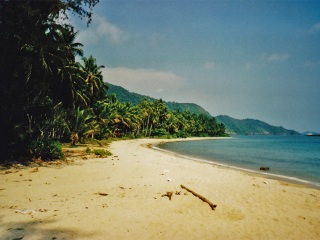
(46, 96)
(124, 95)
(160, 132)
(46, 149)
(88, 150)
(101, 152)
(252, 127)
(41, 78)
(182, 134)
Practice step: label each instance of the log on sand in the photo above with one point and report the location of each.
(213, 206)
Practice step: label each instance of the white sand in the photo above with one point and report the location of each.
(63, 203)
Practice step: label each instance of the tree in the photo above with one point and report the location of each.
(83, 123)
(92, 76)
(35, 52)
(127, 118)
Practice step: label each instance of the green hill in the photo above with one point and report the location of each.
(252, 127)
(124, 95)
(233, 126)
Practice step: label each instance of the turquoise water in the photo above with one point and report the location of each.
(294, 157)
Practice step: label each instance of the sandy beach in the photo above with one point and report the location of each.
(121, 197)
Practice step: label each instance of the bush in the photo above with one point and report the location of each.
(46, 149)
(160, 133)
(88, 150)
(183, 134)
(101, 152)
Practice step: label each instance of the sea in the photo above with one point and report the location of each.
(294, 158)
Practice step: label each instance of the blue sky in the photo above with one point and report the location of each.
(246, 59)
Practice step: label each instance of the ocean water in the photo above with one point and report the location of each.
(291, 157)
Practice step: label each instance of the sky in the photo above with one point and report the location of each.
(255, 59)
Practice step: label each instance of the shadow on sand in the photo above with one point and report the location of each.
(40, 230)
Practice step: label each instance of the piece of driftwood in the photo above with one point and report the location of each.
(168, 194)
(213, 206)
(102, 194)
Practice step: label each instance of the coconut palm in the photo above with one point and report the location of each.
(92, 76)
(83, 123)
(145, 107)
(104, 113)
(127, 118)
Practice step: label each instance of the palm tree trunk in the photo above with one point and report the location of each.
(150, 130)
(148, 120)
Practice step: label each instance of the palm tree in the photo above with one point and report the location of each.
(83, 123)
(35, 50)
(92, 75)
(145, 107)
(127, 118)
(105, 112)
(172, 123)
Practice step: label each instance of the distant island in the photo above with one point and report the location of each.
(233, 126)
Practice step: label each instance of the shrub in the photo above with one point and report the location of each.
(101, 152)
(88, 150)
(46, 149)
(160, 133)
(183, 134)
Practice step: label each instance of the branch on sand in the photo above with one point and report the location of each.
(213, 206)
(168, 194)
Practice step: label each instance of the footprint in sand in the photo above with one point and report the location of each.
(234, 215)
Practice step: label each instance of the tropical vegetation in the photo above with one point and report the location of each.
(47, 97)
(252, 127)
(123, 95)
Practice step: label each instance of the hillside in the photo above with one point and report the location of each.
(252, 127)
(124, 95)
(233, 126)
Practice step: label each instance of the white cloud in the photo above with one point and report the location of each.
(276, 57)
(154, 83)
(101, 30)
(209, 65)
(315, 28)
(311, 64)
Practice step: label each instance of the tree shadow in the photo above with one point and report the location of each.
(41, 230)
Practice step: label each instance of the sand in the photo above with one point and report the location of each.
(120, 197)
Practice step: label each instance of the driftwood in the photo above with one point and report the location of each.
(213, 206)
(102, 194)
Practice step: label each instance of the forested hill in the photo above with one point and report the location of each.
(123, 95)
(252, 127)
(233, 126)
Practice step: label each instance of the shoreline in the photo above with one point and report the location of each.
(125, 197)
(281, 178)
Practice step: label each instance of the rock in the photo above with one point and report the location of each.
(264, 168)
